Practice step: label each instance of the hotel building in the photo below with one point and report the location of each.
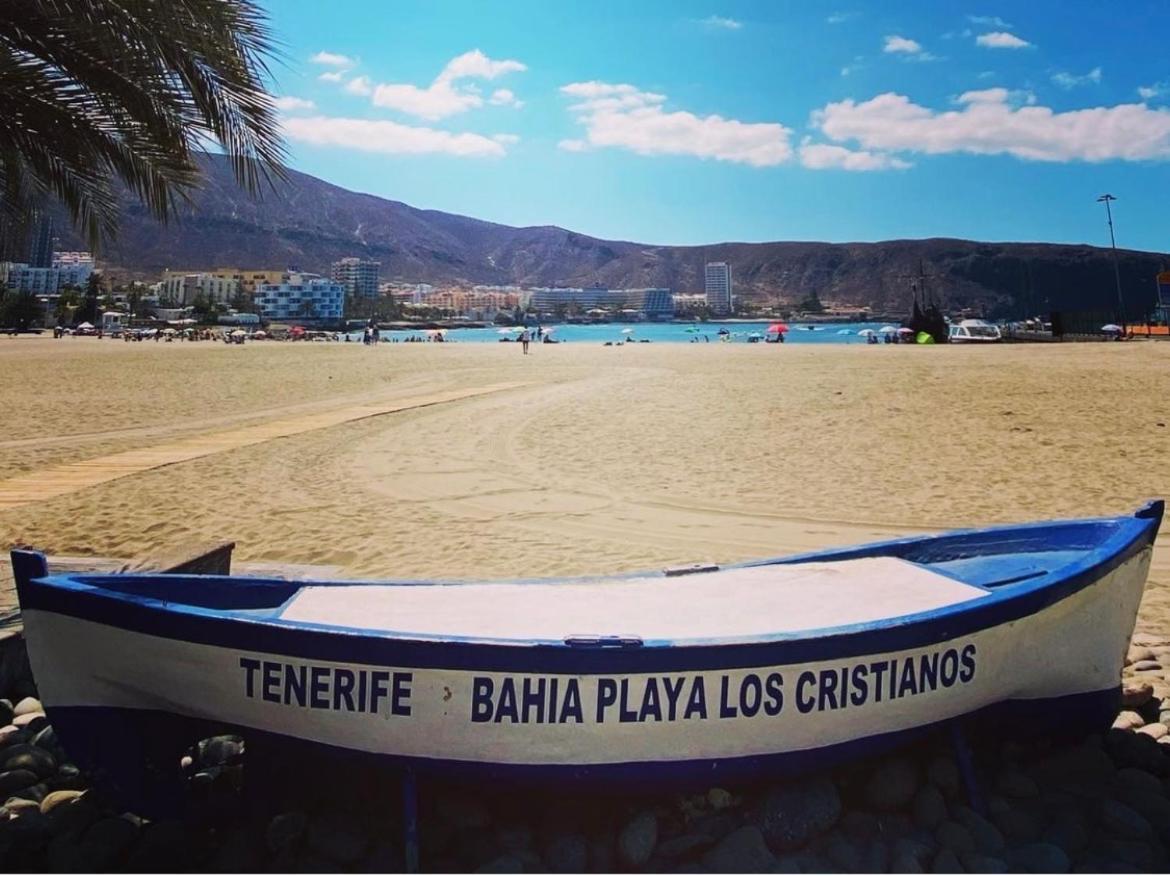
(718, 287)
(358, 276)
(301, 296)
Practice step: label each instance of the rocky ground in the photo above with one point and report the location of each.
(1098, 804)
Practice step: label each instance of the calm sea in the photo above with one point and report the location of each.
(661, 333)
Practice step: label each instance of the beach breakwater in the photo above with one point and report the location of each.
(1094, 804)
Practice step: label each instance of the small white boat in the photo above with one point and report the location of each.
(683, 677)
(974, 331)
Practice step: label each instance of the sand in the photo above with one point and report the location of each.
(600, 460)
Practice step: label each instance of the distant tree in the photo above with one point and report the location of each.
(67, 301)
(88, 311)
(308, 308)
(108, 302)
(20, 310)
(97, 94)
(811, 303)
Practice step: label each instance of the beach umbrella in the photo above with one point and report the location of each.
(865, 333)
(260, 334)
(1111, 327)
(844, 331)
(755, 335)
(777, 328)
(239, 333)
(86, 325)
(905, 331)
(887, 330)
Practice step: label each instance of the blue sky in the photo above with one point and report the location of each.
(687, 123)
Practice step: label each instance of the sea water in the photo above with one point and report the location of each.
(658, 332)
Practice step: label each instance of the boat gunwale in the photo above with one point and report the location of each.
(76, 596)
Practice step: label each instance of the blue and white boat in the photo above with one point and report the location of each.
(690, 676)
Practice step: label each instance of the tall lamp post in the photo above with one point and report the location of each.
(1105, 199)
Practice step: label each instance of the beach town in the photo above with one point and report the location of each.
(345, 571)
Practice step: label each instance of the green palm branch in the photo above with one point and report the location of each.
(97, 93)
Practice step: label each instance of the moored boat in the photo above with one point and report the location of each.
(689, 676)
(975, 331)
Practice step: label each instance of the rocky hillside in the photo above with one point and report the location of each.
(308, 223)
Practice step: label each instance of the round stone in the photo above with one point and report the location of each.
(27, 706)
(1138, 653)
(28, 757)
(791, 815)
(930, 809)
(954, 836)
(333, 836)
(1146, 666)
(1038, 858)
(58, 798)
(741, 851)
(1122, 821)
(1012, 783)
(637, 839)
(105, 842)
(946, 861)
(568, 853)
(1128, 720)
(988, 839)
(12, 781)
(944, 775)
(720, 799)
(10, 734)
(892, 785)
(7, 713)
(1154, 731)
(1135, 693)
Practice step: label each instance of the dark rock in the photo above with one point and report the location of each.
(1038, 858)
(791, 815)
(514, 837)
(904, 863)
(860, 826)
(1136, 750)
(787, 864)
(1137, 854)
(720, 799)
(843, 854)
(27, 706)
(983, 864)
(602, 851)
(946, 861)
(219, 751)
(894, 825)
(1069, 831)
(12, 781)
(1017, 826)
(988, 840)
(239, 851)
(70, 817)
(636, 840)
(875, 857)
(943, 773)
(921, 851)
(1154, 808)
(717, 825)
(742, 851)
(892, 785)
(566, 853)
(166, 847)
(384, 857)
(333, 836)
(28, 757)
(1083, 769)
(46, 738)
(930, 809)
(7, 713)
(35, 792)
(1122, 821)
(106, 842)
(11, 735)
(507, 863)
(461, 812)
(1137, 780)
(1012, 783)
(284, 831)
(952, 835)
(684, 846)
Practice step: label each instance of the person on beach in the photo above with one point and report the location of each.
(524, 341)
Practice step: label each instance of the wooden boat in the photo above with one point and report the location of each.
(689, 676)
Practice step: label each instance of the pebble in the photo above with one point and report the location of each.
(930, 809)
(219, 750)
(58, 798)
(791, 815)
(683, 846)
(720, 799)
(988, 839)
(1146, 665)
(27, 706)
(105, 842)
(31, 721)
(1122, 821)
(1013, 783)
(1155, 731)
(1138, 653)
(12, 781)
(892, 785)
(954, 836)
(741, 851)
(1038, 858)
(944, 775)
(1016, 826)
(1135, 694)
(637, 839)
(10, 734)
(28, 757)
(333, 836)
(568, 853)
(983, 864)
(1128, 720)
(946, 861)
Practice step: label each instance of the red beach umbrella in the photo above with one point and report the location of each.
(777, 328)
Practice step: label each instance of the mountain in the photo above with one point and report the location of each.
(308, 223)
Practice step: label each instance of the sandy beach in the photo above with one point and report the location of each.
(590, 459)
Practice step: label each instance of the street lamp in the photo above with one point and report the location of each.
(1106, 198)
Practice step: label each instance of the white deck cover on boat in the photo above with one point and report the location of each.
(726, 603)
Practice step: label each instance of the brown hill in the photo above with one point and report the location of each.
(308, 223)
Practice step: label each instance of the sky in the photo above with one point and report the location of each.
(701, 122)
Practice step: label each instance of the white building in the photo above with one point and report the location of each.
(718, 287)
(67, 269)
(301, 296)
(358, 276)
(653, 304)
(73, 268)
(183, 289)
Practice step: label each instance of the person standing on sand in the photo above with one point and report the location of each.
(524, 341)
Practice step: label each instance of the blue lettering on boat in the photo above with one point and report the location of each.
(333, 688)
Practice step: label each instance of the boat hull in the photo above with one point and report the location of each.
(128, 693)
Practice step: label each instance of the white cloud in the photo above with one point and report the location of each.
(623, 117)
(718, 22)
(1014, 97)
(332, 59)
(989, 21)
(988, 125)
(505, 97)
(1070, 80)
(445, 96)
(825, 156)
(895, 44)
(840, 17)
(506, 139)
(1001, 39)
(573, 145)
(360, 85)
(390, 138)
(850, 69)
(1149, 92)
(293, 104)
(332, 76)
